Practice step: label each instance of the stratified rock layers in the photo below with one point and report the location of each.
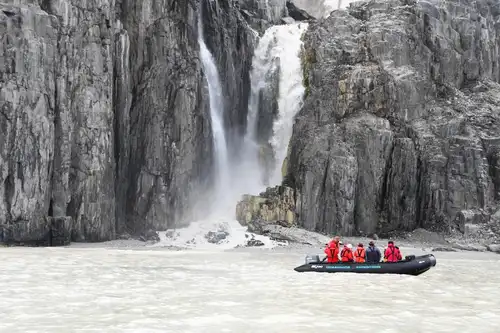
(400, 127)
(104, 120)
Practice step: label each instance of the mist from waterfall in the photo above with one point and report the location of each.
(276, 70)
(216, 103)
(291, 92)
(234, 176)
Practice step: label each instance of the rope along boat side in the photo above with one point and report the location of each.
(411, 265)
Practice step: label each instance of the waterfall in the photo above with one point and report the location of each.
(291, 92)
(216, 98)
(276, 74)
(276, 62)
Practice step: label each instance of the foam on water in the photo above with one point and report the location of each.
(193, 236)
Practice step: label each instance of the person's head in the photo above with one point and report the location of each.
(349, 246)
(372, 243)
(390, 243)
(360, 245)
(336, 239)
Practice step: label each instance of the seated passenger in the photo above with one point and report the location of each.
(332, 250)
(346, 254)
(373, 254)
(360, 253)
(392, 253)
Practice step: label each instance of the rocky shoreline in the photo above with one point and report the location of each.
(274, 213)
(398, 130)
(295, 238)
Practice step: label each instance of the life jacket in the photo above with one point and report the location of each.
(346, 255)
(392, 254)
(332, 253)
(359, 254)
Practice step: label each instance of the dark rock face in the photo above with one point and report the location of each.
(400, 125)
(215, 237)
(261, 14)
(104, 114)
(54, 231)
(298, 14)
(162, 125)
(232, 43)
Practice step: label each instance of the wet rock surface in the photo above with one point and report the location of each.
(215, 237)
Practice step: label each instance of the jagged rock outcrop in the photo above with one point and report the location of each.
(400, 126)
(261, 14)
(297, 13)
(314, 8)
(104, 122)
(275, 204)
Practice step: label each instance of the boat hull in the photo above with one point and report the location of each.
(415, 266)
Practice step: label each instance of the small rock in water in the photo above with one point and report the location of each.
(171, 234)
(150, 235)
(215, 237)
(494, 248)
(254, 242)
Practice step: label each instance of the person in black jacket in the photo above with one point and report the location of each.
(373, 254)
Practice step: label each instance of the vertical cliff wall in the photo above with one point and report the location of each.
(400, 127)
(163, 134)
(104, 113)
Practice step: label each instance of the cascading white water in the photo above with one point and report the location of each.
(263, 63)
(221, 177)
(279, 46)
(231, 181)
(278, 51)
(291, 89)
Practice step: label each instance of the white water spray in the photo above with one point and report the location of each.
(216, 98)
(278, 52)
(291, 91)
(231, 181)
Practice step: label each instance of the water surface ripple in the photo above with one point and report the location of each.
(110, 290)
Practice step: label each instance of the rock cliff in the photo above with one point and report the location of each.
(104, 113)
(400, 126)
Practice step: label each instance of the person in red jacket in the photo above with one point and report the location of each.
(332, 250)
(346, 254)
(392, 253)
(360, 254)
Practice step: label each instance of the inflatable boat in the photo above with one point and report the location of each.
(411, 265)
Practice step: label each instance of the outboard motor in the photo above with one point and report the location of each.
(312, 259)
